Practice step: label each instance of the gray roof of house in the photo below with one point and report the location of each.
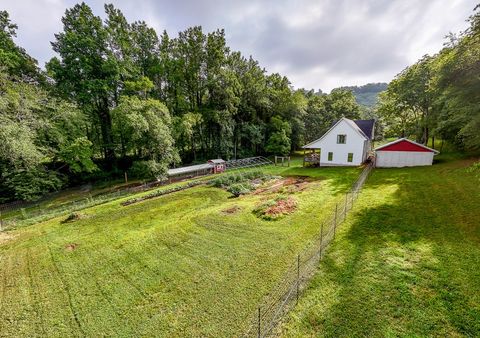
(367, 126)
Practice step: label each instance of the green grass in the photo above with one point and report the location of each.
(177, 265)
(406, 261)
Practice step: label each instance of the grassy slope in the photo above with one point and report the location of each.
(170, 266)
(406, 263)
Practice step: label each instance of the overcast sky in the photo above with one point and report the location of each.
(317, 44)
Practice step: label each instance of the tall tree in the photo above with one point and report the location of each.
(87, 70)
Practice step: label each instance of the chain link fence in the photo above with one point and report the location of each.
(286, 293)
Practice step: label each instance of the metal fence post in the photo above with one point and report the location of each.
(298, 276)
(321, 242)
(335, 220)
(259, 326)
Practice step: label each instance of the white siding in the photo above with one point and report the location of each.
(403, 158)
(355, 144)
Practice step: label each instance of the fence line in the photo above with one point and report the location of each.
(286, 293)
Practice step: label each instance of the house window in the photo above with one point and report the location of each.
(350, 157)
(330, 156)
(341, 139)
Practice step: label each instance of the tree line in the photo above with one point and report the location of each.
(119, 97)
(439, 95)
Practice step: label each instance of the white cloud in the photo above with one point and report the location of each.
(317, 44)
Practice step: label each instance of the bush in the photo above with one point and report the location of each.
(238, 183)
(238, 189)
(30, 185)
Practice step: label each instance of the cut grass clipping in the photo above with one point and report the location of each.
(74, 216)
(277, 208)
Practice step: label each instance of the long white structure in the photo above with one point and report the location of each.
(404, 153)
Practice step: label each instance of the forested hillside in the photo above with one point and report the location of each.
(367, 95)
(120, 96)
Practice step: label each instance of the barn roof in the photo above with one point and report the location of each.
(403, 139)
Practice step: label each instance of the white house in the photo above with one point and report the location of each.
(404, 153)
(347, 142)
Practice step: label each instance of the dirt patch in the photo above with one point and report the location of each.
(6, 237)
(232, 210)
(277, 208)
(289, 184)
(71, 246)
(282, 207)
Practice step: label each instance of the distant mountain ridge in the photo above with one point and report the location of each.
(367, 95)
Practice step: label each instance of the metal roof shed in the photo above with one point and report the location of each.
(192, 170)
(404, 153)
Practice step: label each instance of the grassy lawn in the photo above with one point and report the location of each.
(177, 265)
(406, 261)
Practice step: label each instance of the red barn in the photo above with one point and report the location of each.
(404, 153)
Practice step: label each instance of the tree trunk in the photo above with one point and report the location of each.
(106, 130)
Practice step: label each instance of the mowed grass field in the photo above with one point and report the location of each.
(177, 265)
(406, 262)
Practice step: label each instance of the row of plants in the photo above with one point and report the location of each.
(162, 192)
(240, 183)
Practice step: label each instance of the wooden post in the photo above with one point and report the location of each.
(126, 177)
(259, 326)
(275, 160)
(289, 161)
(304, 157)
(298, 276)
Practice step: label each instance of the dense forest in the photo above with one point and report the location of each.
(120, 97)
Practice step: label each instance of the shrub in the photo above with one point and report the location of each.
(239, 183)
(238, 189)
